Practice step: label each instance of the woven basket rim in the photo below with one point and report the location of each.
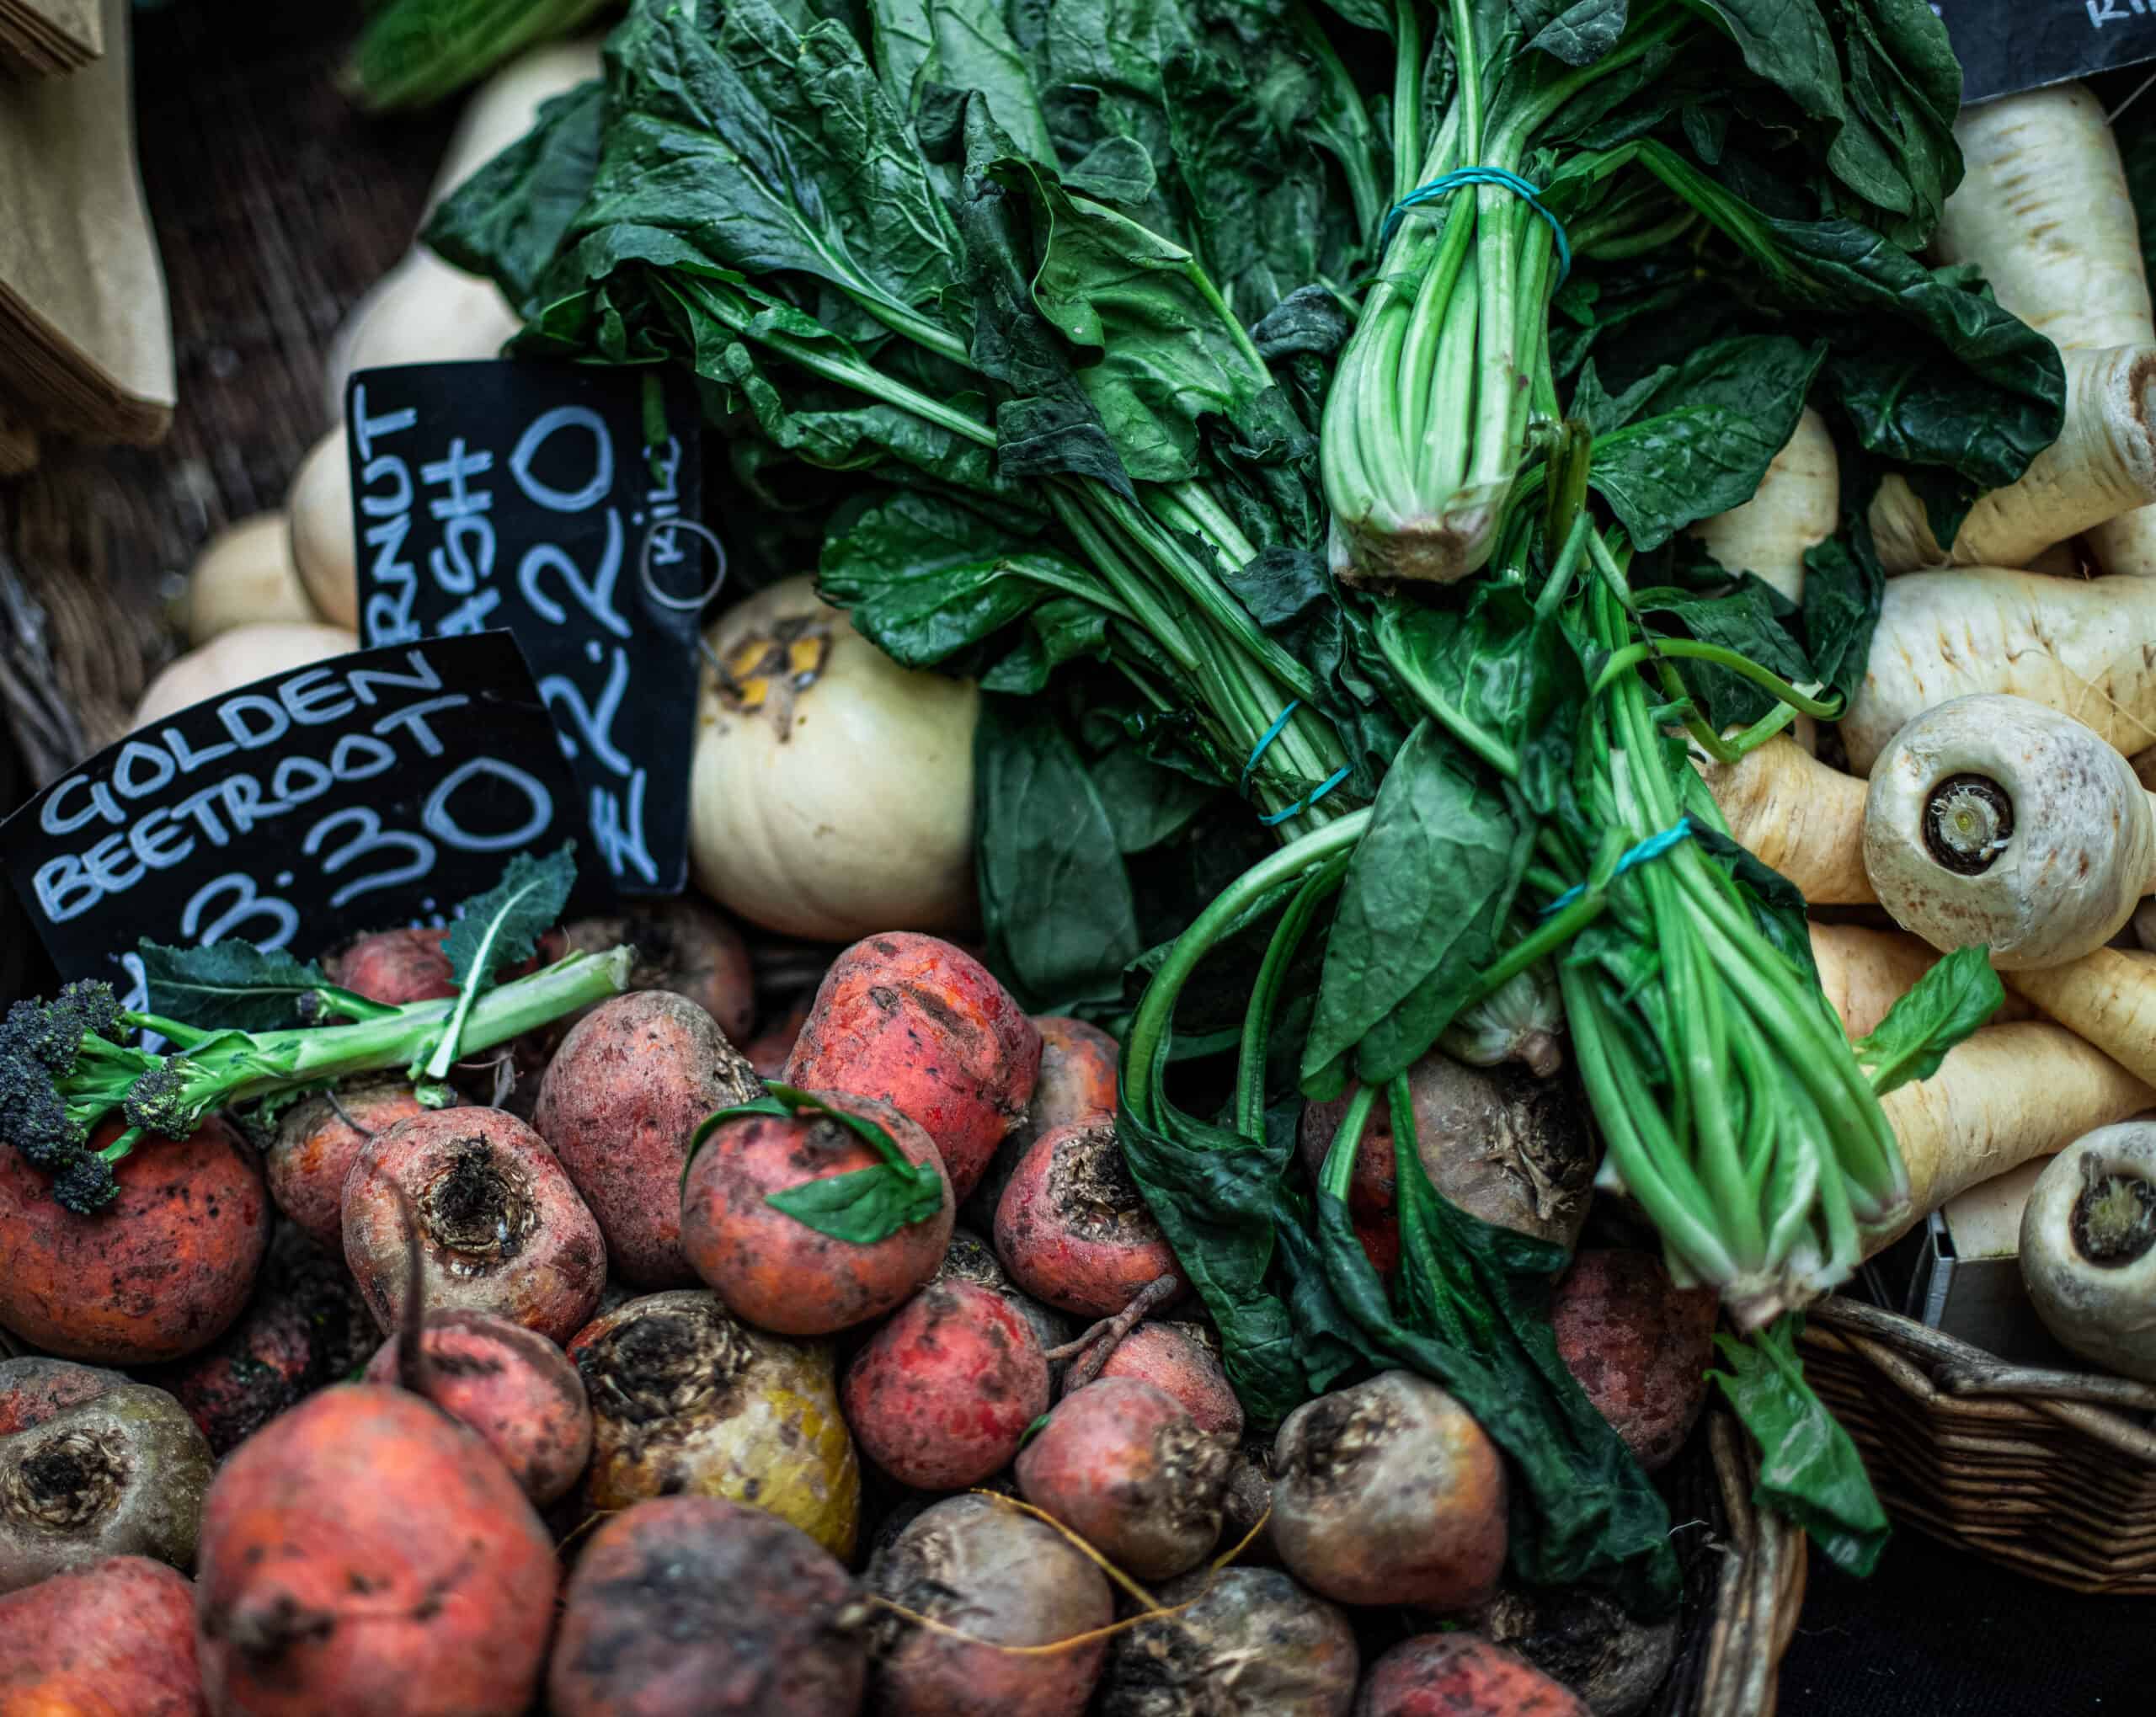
(1934, 1364)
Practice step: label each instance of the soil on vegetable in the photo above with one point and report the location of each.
(1094, 1193)
(66, 1482)
(478, 1211)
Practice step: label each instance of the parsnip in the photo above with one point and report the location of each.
(1796, 815)
(2087, 648)
(2102, 465)
(1995, 820)
(243, 576)
(1797, 507)
(2008, 1095)
(2107, 996)
(2044, 210)
(1864, 972)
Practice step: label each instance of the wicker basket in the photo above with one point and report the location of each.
(1743, 1581)
(2049, 1472)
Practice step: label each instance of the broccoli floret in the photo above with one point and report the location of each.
(156, 1103)
(51, 1033)
(86, 1184)
(34, 1115)
(97, 1006)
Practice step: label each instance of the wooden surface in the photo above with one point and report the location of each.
(276, 206)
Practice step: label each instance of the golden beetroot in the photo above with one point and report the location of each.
(159, 1272)
(1639, 1345)
(1123, 1466)
(513, 1387)
(618, 1104)
(500, 1228)
(775, 1269)
(684, 947)
(920, 1025)
(942, 1393)
(991, 1576)
(1073, 1229)
(1077, 1083)
(687, 1400)
(1389, 1493)
(317, 1140)
(1184, 1359)
(1243, 1642)
(1443, 1675)
(115, 1639)
(92, 1465)
(696, 1606)
(366, 1554)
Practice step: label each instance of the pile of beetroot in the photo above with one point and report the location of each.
(525, 1405)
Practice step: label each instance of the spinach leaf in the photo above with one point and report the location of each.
(1056, 901)
(964, 45)
(1949, 1002)
(764, 147)
(509, 219)
(228, 985)
(1744, 620)
(1423, 911)
(1810, 1470)
(860, 1207)
(1697, 441)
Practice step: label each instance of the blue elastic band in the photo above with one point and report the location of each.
(1303, 804)
(1447, 184)
(1264, 739)
(1652, 847)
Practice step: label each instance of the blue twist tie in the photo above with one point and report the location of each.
(1652, 847)
(1445, 185)
(1303, 804)
(1264, 739)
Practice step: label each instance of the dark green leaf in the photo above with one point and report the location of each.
(1115, 170)
(1949, 1002)
(1582, 32)
(964, 45)
(227, 985)
(1422, 910)
(1056, 900)
(1698, 442)
(498, 929)
(508, 220)
(1810, 1471)
(1743, 620)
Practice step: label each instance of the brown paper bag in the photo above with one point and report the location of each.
(85, 331)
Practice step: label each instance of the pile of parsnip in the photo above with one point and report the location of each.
(1987, 780)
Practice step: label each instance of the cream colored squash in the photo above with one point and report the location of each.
(832, 790)
(238, 658)
(323, 546)
(245, 576)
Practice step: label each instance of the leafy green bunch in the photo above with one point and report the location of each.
(68, 1065)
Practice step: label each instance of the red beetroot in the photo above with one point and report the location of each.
(395, 966)
(1639, 1346)
(513, 1387)
(969, 1258)
(1499, 1141)
(314, 1148)
(117, 1638)
(1077, 1083)
(684, 947)
(92, 1465)
(998, 1577)
(306, 1327)
(1184, 1360)
(619, 1103)
(1245, 1642)
(501, 1229)
(157, 1274)
(942, 1393)
(1389, 1493)
(1460, 1675)
(919, 1024)
(781, 1274)
(1124, 1466)
(694, 1607)
(366, 1554)
(1073, 1229)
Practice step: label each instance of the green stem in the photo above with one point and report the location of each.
(1257, 1021)
(1633, 655)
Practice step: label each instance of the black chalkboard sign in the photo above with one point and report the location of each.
(368, 791)
(527, 496)
(2006, 46)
